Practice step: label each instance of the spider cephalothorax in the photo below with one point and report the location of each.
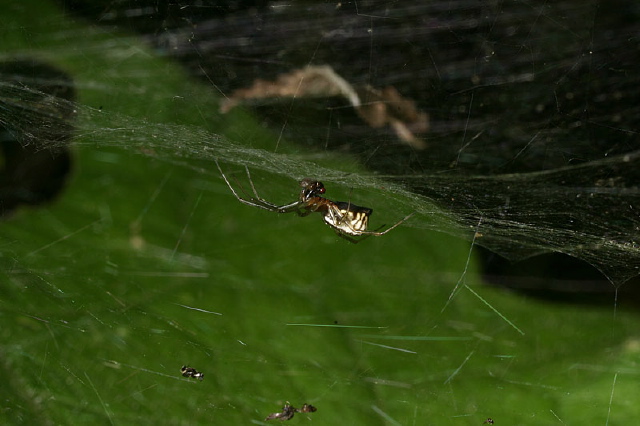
(310, 189)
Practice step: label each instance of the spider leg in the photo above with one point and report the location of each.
(258, 201)
(359, 236)
(286, 208)
(229, 184)
(377, 229)
(348, 238)
(253, 187)
(377, 233)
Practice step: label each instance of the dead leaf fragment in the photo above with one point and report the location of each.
(377, 107)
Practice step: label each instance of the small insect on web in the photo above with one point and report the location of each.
(288, 411)
(347, 219)
(191, 372)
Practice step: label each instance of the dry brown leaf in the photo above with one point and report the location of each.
(376, 107)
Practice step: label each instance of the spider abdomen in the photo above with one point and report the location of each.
(348, 218)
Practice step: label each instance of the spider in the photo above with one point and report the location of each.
(347, 219)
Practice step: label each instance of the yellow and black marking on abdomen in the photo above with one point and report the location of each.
(353, 219)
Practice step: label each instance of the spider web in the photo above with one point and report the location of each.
(556, 173)
(532, 149)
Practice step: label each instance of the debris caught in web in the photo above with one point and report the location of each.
(377, 107)
(191, 372)
(288, 411)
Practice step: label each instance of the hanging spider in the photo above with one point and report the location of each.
(347, 219)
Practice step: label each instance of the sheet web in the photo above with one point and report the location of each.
(531, 144)
(579, 210)
(576, 191)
